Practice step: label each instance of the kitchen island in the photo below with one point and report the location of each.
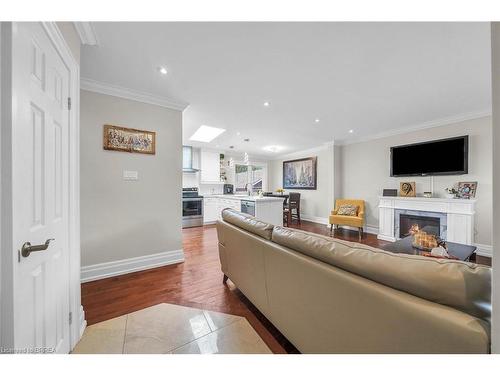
(268, 209)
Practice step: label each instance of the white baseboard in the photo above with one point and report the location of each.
(123, 266)
(484, 250)
(323, 220)
(315, 219)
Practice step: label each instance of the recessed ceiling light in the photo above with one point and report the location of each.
(273, 148)
(316, 120)
(206, 134)
(266, 104)
(238, 133)
(351, 131)
(162, 70)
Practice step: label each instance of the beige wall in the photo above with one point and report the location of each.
(314, 203)
(69, 33)
(124, 219)
(365, 169)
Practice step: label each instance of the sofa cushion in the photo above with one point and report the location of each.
(248, 222)
(463, 286)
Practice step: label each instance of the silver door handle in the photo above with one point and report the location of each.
(27, 248)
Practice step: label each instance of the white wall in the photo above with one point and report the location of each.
(125, 219)
(314, 204)
(365, 170)
(495, 54)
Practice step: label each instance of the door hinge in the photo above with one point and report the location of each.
(70, 317)
(69, 104)
(18, 256)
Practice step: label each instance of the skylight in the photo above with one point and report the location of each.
(206, 134)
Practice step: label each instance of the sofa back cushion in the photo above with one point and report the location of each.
(248, 223)
(463, 286)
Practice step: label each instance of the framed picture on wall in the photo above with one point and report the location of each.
(300, 174)
(117, 138)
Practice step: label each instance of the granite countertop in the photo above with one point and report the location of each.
(254, 198)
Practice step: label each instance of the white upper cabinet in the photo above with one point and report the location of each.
(210, 167)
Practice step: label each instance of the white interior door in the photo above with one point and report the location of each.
(40, 87)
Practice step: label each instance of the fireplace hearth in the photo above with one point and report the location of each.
(430, 225)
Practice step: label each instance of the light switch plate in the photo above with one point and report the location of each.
(130, 175)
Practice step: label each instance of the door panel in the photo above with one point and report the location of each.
(40, 191)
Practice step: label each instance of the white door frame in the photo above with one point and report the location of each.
(6, 241)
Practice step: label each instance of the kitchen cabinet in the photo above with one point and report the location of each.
(210, 210)
(213, 206)
(210, 167)
(268, 209)
(227, 203)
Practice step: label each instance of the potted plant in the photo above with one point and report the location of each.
(280, 191)
(451, 193)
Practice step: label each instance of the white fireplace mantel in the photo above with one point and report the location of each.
(459, 214)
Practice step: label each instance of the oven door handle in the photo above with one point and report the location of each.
(191, 199)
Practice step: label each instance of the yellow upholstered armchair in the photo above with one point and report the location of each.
(357, 220)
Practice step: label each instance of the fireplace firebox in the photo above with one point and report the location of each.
(428, 224)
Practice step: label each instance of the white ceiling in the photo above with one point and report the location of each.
(369, 77)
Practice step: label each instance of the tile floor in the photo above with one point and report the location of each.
(172, 329)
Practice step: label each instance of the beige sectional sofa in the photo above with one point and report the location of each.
(331, 296)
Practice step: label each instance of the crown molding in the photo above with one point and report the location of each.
(425, 125)
(422, 126)
(298, 154)
(131, 94)
(86, 33)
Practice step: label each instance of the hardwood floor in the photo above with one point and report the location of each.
(196, 283)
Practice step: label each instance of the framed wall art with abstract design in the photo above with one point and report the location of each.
(300, 174)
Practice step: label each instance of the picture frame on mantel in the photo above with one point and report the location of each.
(407, 189)
(300, 174)
(467, 190)
(118, 138)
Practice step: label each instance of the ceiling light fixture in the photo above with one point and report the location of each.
(238, 133)
(266, 104)
(351, 131)
(316, 120)
(206, 134)
(162, 70)
(273, 148)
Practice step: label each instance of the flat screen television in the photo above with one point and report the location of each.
(440, 157)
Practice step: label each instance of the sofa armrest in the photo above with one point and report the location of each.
(334, 212)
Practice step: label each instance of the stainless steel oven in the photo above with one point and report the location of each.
(192, 208)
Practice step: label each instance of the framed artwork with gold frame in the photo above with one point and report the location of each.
(117, 138)
(407, 189)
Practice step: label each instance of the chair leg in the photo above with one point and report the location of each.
(360, 231)
(331, 228)
(224, 279)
